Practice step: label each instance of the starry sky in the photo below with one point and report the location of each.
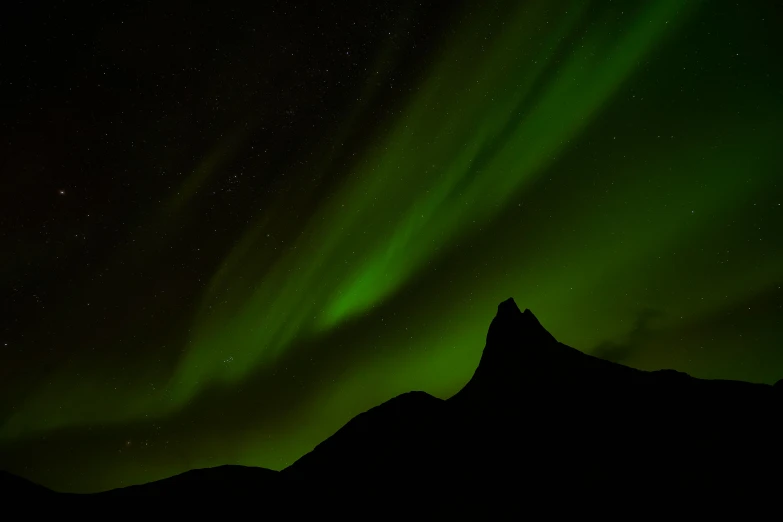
(225, 230)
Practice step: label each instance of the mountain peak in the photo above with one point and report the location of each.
(509, 306)
(513, 326)
(517, 345)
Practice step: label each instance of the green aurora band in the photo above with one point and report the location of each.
(415, 196)
(563, 166)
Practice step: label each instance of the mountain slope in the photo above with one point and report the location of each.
(12, 486)
(220, 481)
(537, 418)
(542, 409)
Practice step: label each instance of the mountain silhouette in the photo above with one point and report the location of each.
(537, 417)
(220, 481)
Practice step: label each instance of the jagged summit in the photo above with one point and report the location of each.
(522, 325)
(509, 306)
(517, 347)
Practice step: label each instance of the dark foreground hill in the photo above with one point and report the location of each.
(537, 418)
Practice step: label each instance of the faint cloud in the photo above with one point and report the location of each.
(618, 352)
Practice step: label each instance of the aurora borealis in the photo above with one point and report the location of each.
(227, 231)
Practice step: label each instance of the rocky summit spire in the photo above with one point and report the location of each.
(512, 325)
(517, 348)
(515, 336)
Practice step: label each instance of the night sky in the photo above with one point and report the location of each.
(226, 230)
